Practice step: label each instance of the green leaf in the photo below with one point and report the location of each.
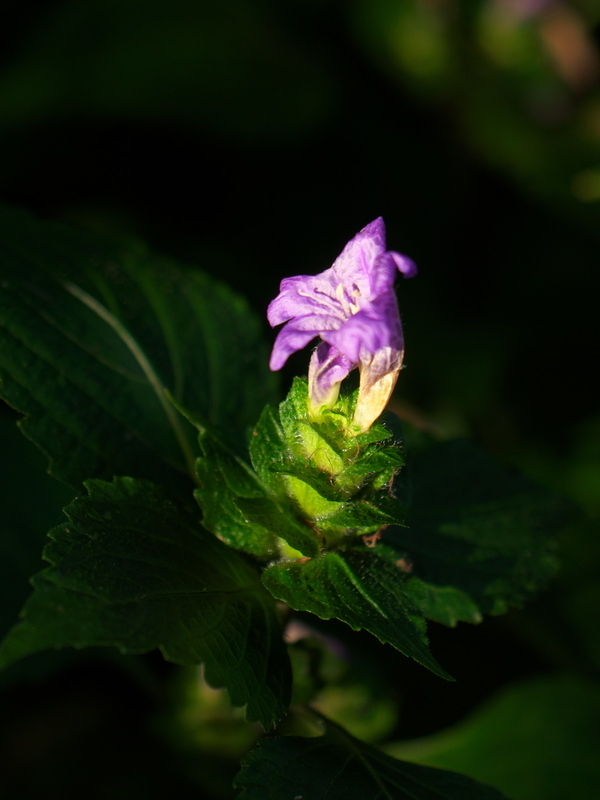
(224, 479)
(445, 604)
(387, 460)
(92, 333)
(31, 503)
(336, 766)
(238, 508)
(361, 589)
(264, 512)
(132, 570)
(368, 516)
(476, 530)
(269, 451)
(537, 740)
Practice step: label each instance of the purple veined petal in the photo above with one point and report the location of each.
(315, 322)
(361, 334)
(328, 368)
(375, 231)
(289, 303)
(368, 331)
(385, 307)
(288, 340)
(356, 260)
(405, 264)
(385, 270)
(309, 294)
(297, 334)
(383, 275)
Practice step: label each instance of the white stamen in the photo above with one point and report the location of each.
(349, 308)
(321, 299)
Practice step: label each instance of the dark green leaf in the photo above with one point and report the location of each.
(238, 508)
(388, 459)
(361, 589)
(538, 740)
(133, 570)
(264, 512)
(336, 766)
(224, 479)
(31, 503)
(93, 331)
(477, 527)
(269, 451)
(369, 516)
(445, 604)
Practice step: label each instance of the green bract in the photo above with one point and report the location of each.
(323, 503)
(318, 484)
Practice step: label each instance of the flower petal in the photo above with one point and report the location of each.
(328, 368)
(358, 257)
(352, 307)
(372, 401)
(375, 328)
(405, 264)
(289, 303)
(304, 295)
(289, 339)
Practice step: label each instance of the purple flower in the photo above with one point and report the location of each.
(352, 307)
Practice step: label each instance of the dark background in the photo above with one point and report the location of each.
(253, 138)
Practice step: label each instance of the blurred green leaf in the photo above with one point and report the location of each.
(92, 332)
(477, 533)
(368, 715)
(538, 740)
(132, 570)
(235, 69)
(339, 767)
(523, 99)
(200, 718)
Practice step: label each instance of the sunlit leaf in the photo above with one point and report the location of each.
(361, 589)
(224, 481)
